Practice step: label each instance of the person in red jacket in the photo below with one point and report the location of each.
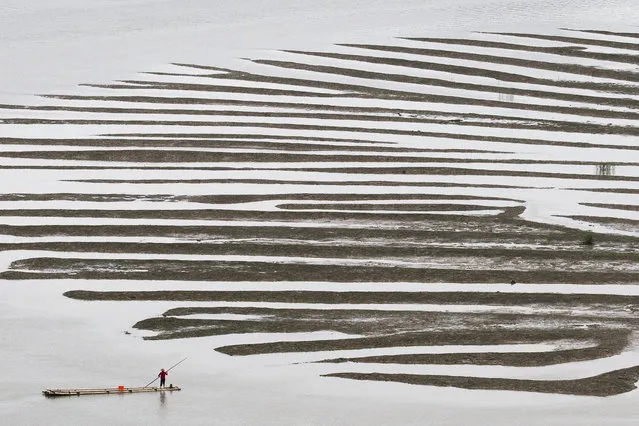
(162, 377)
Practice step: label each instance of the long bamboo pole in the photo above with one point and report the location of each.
(174, 365)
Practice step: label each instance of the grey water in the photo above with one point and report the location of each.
(47, 340)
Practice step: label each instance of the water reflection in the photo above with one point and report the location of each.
(163, 399)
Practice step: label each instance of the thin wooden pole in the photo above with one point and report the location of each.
(174, 365)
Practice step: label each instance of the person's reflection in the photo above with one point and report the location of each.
(162, 399)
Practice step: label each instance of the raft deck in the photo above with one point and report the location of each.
(103, 391)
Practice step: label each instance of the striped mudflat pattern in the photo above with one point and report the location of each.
(430, 201)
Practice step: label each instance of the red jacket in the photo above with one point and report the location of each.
(163, 374)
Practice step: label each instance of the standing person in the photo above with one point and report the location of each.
(162, 377)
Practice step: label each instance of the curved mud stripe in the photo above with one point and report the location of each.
(607, 384)
(428, 338)
(577, 40)
(514, 359)
(367, 297)
(570, 51)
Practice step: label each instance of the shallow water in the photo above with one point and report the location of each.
(51, 341)
(83, 42)
(47, 340)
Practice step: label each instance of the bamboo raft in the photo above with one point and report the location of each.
(103, 391)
